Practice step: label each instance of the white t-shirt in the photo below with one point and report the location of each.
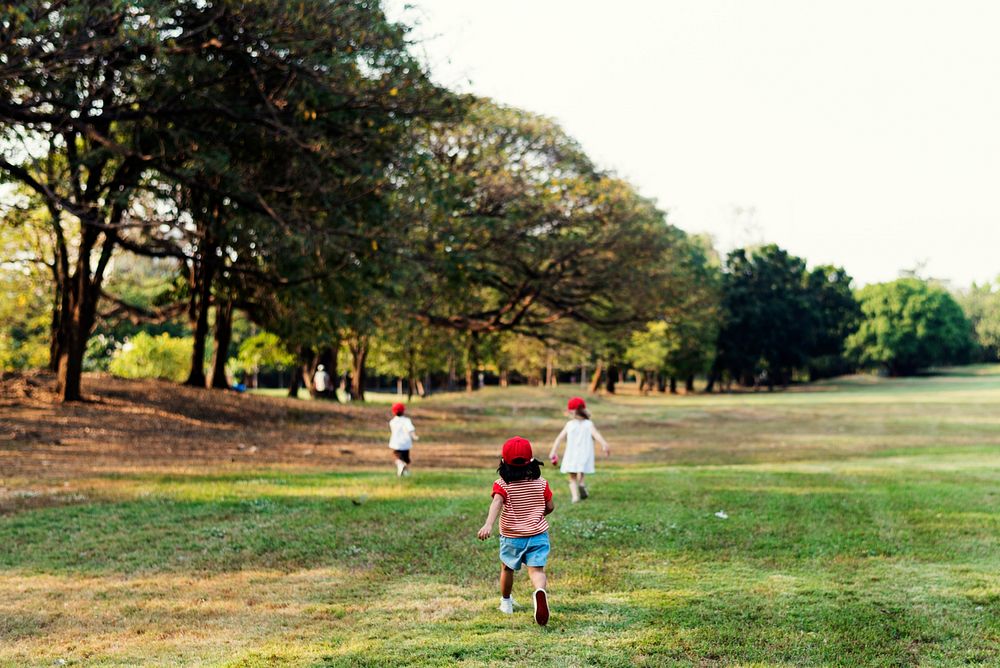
(321, 380)
(402, 433)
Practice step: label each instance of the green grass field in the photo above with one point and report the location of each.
(863, 529)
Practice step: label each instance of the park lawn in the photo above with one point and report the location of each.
(862, 528)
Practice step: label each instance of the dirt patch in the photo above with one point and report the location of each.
(127, 425)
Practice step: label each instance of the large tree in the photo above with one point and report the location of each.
(103, 103)
(834, 314)
(512, 228)
(681, 344)
(909, 325)
(766, 330)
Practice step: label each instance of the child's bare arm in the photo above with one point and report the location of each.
(555, 443)
(600, 439)
(491, 517)
(549, 506)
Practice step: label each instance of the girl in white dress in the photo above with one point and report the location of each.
(578, 457)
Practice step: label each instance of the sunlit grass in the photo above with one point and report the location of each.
(861, 529)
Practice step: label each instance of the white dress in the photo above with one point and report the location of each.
(579, 454)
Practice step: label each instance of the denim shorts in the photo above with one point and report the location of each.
(529, 550)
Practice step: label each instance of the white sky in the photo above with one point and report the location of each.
(865, 134)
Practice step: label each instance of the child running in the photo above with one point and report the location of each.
(578, 458)
(522, 498)
(402, 438)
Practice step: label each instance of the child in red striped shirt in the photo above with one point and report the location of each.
(522, 498)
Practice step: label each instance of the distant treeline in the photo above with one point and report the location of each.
(212, 191)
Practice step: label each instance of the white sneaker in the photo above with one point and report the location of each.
(507, 606)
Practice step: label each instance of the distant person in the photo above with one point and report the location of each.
(522, 498)
(401, 439)
(321, 381)
(578, 457)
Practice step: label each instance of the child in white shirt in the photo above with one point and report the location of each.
(403, 434)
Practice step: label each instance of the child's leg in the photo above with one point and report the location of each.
(537, 575)
(574, 488)
(400, 466)
(541, 596)
(583, 488)
(506, 580)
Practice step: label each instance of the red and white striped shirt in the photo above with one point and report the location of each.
(523, 512)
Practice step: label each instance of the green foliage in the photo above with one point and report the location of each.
(908, 325)
(648, 348)
(766, 302)
(240, 134)
(834, 314)
(146, 356)
(981, 304)
(511, 227)
(524, 355)
(779, 317)
(24, 320)
(694, 315)
(262, 351)
(405, 348)
(25, 281)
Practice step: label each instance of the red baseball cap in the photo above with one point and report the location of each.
(517, 451)
(398, 409)
(576, 402)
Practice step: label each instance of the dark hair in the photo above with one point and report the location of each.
(583, 412)
(510, 473)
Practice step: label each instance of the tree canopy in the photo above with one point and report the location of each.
(909, 325)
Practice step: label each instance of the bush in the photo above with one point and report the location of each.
(146, 356)
(262, 351)
(909, 325)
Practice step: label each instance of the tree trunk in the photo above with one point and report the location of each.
(504, 378)
(550, 372)
(595, 382)
(689, 385)
(673, 385)
(470, 363)
(661, 382)
(713, 378)
(223, 337)
(55, 329)
(199, 333)
(294, 384)
(359, 357)
(73, 344)
(201, 276)
(612, 378)
(452, 379)
(81, 292)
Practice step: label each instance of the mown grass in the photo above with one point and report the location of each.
(878, 545)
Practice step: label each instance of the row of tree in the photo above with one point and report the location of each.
(290, 169)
